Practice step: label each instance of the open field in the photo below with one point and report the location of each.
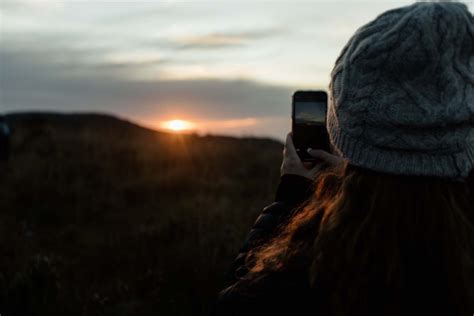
(101, 217)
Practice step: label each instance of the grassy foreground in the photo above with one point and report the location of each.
(99, 216)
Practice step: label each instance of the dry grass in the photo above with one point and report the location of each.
(101, 217)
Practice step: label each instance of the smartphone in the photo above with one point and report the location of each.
(309, 122)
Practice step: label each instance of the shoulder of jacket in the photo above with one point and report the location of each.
(271, 216)
(276, 208)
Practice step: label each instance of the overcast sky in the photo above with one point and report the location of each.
(228, 66)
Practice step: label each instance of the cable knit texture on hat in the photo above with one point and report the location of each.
(401, 97)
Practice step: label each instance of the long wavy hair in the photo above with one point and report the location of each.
(374, 243)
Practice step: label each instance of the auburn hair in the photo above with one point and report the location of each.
(374, 243)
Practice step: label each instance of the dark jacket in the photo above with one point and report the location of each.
(279, 294)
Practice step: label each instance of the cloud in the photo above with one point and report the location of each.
(30, 4)
(209, 41)
(229, 39)
(32, 81)
(131, 59)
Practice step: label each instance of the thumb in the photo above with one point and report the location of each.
(325, 156)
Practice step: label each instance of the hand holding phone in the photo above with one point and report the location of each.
(292, 164)
(309, 123)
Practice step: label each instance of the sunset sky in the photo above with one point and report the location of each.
(229, 67)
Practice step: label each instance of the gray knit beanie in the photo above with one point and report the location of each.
(401, 97)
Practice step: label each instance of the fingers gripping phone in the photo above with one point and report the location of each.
(309, 122)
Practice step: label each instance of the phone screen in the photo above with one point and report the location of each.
(313, 112)
(309, 122)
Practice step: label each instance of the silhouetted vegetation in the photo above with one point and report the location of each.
(101, 217)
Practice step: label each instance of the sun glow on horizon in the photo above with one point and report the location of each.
(206, 126)
(177, 125)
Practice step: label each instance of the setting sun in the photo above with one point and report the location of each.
(177, 125)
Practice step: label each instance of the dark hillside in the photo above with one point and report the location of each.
(99, 216)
